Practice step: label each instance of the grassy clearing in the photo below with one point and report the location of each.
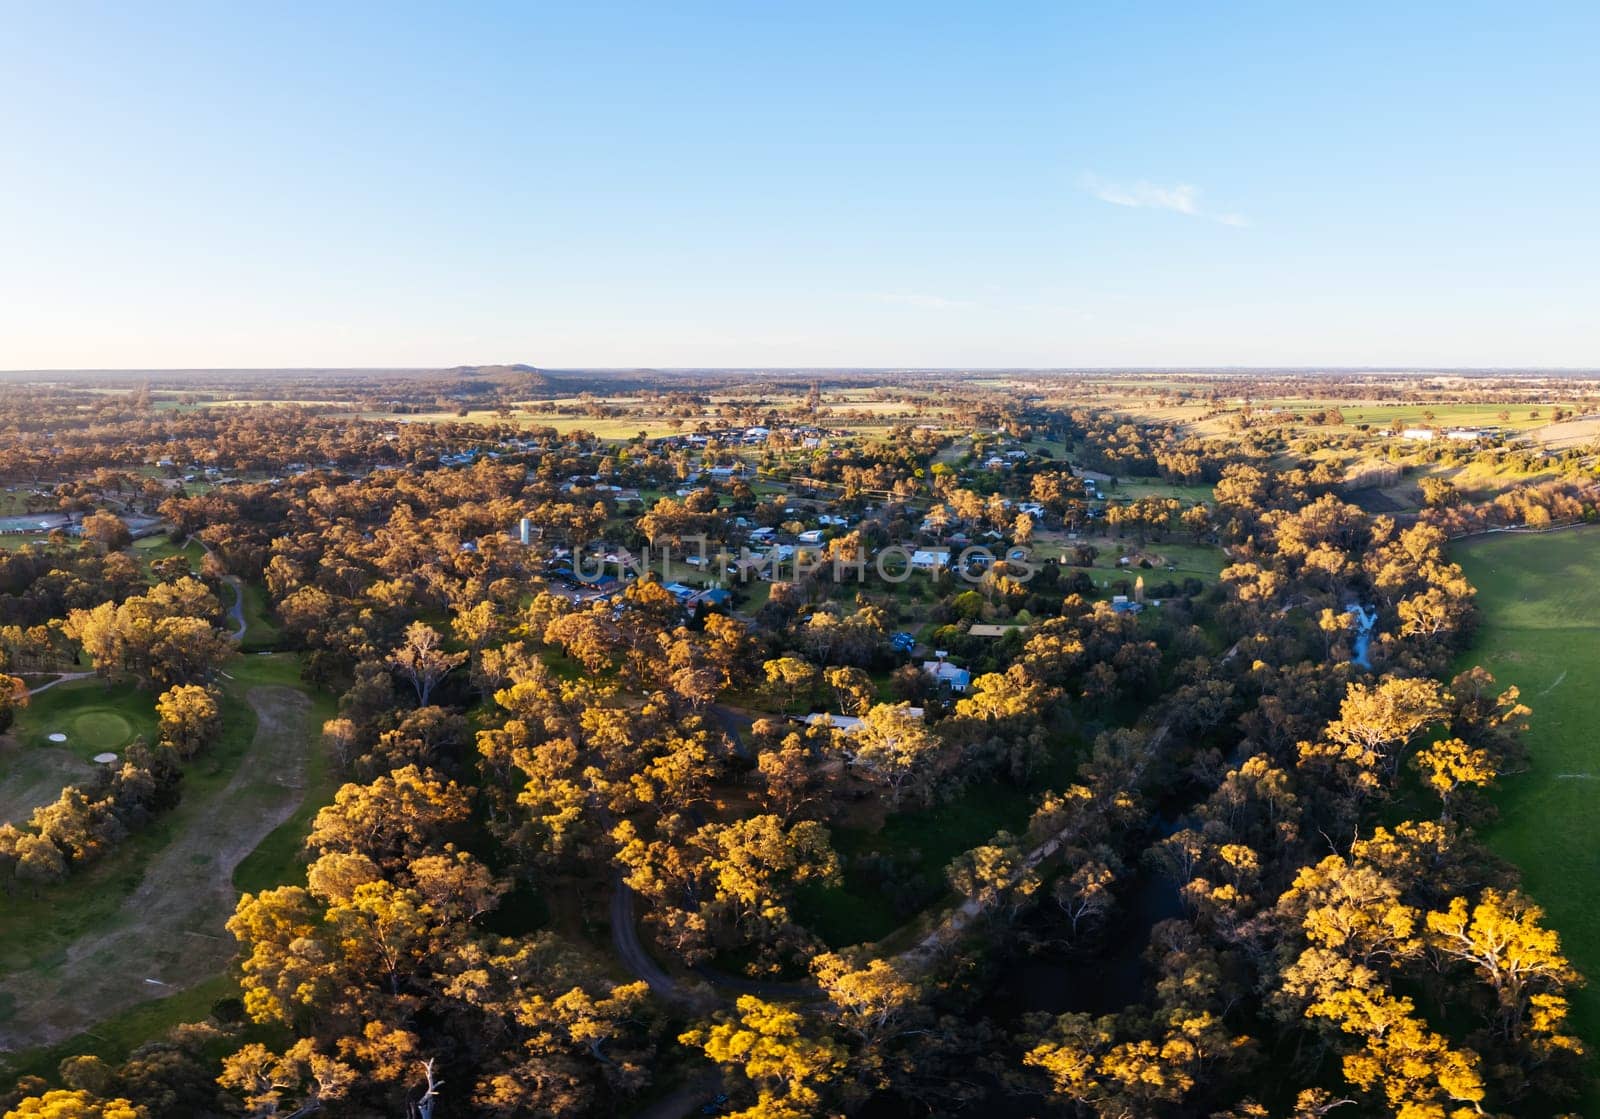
(856, 912)
(149, 549)
(278, 859)
(1200, 561)
(1540, 598)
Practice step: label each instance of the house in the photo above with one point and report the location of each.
(1418, 434)
(810, 536)
(604, 586)
(715, 598)
(982, 630)
(930, 559)
(849, 724)
(903, 642)
(948, 675)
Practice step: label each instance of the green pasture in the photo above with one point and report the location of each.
(1134, 488)
(1540, 603)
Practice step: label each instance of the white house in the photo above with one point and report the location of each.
(849, 724)
(943, 672)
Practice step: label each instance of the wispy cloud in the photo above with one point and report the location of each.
(1182, 198)
(916, 299)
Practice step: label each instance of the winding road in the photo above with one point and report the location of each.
(237, 609)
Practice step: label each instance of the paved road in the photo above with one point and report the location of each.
(641, 965)
(237, 609)
(625, 938)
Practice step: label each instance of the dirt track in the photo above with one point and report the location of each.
(168, 933)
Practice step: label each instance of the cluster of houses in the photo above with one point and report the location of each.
(756, 436)
(1005, 460)
(945, 675)
(1457, 434)
(591, 483)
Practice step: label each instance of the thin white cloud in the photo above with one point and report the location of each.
(1183, 198)
(916, 299)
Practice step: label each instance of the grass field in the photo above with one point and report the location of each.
(1540, 600)
(1200, 561)
(1135, 488)
(16, 541)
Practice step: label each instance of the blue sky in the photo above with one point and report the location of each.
(765, 183)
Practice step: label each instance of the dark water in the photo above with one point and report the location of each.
(1102, 983)
(1059, 984)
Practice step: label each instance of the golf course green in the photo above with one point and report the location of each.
(94, 716)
